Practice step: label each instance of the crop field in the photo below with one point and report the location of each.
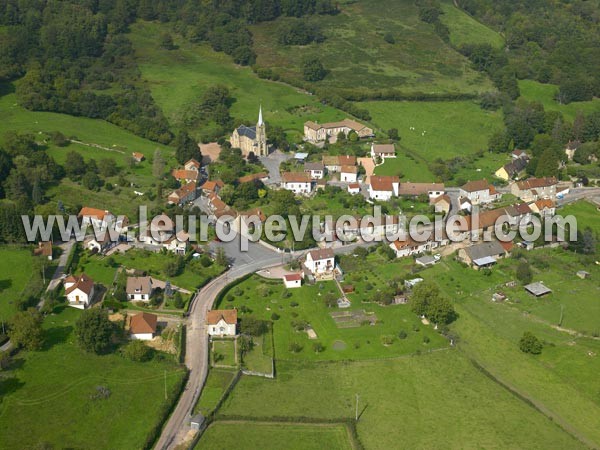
(266, 297)
(46, 396)
(359, 59)
(259, 436)
(178, 78)
(13, 281)
(544, 93)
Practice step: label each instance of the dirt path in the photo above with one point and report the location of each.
(74, 141)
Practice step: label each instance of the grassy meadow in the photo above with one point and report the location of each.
(544, 93)
(12, 281)
(358, 57)
(216, 383)
(45, 396)
(178, 78)
(464, 29)
(260, 436)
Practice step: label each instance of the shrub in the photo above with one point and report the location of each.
(426, 340)
(275, 316)
(402, 334)
(318, 347)
(138, 351)
(529, 343)
(523, 273)
(387, 340)
(295, 347)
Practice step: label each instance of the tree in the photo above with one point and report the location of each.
(313, 70)
(94, 331)
(529, 343)
(186, 148)
(74, 165)
(389, 38)
(427, 300)
(108, 167)
(547, 165)
(523, 273)
(393, 134)
(221, 257)
(25, 330)
(440, 310)
(253, 326)
(174, 266)
(499, 141)
(166, 41)
(91, 180)
(318, 347)
(137, 351)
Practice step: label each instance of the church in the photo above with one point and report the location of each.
(251, 139)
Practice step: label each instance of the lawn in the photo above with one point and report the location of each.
(428, 401)
(586, 213)
(464, 29)
(544, 93)
(45, 398)
(456, 128)
(406, 166)
(262, 436)
(178, 78)
(15, 266)
(359, 59)
(260, 358)
(215, 386)
(267, 297)
(223, 352)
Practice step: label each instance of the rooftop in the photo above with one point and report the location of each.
(216, 315)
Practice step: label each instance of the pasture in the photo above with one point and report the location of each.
(260, 435)
(544, 93)
(46, 396)
(12, 282)
(178, 78)
(409, 402)
(299, 307)
(216, 384)
(465, 29)
(360, 60)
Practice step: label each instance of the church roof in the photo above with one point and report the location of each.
(249, 132)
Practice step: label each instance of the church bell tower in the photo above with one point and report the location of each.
(261, 136)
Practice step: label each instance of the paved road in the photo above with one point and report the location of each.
(272, 163)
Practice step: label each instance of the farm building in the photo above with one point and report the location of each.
(538, 289)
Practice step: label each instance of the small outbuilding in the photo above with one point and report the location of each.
(538, 289)
(583, 274)
(292, 280)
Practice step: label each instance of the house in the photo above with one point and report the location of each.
(100, 219)
(427, 260)
(212, 187)
(320, 261)
(260, 176)
(186, 176)
(571, 148)
(320, 184)
(222, 322)
(538, 289)
(315, 169)
(44, 249)
(183, 195)
(381, 226)
(519, 154)
(383, 187)
(314, 132)
(297, 182)
(138, 157)
(353, 188)
(336, 162)
(517, 213)
(79, 290)
(533, 189)
(432, 190)
(101, 244)
(545, 207)
(251, 139)
(192, 164)
(292, 280)
(465, 204)
(300, 156)
(443, 203)
(139, 289)
(380, 152)
(479, 192)
(407, 247)
(178, 243)
(349, 174)
(512, 169)
(158, 231)
(482, 255)
(142, 326)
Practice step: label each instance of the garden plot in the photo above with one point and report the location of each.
(353, 319)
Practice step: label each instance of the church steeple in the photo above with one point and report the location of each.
(261, 136)
(260, 119)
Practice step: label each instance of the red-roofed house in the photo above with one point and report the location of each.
(79, 290)
(292, 280)
(212, 187)
(183, 195)
(297, 182)
(383, 187)
(142, 326)
(186, 176)
(222, 322)
(353, 188)
(137, 156)
(533, 189)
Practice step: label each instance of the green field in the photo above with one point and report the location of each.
(216, 383)
(12, 281)
(265, 297)
(544, 93)
(359, 59)
(426, 401)
(223, 352)
(178, 78)
(263, 436)
(45, 398)
(464, 29)
(260, 358)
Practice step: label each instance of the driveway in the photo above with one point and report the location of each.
(368, 164)
(272, 163)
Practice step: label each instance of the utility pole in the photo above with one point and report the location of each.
(356, 412)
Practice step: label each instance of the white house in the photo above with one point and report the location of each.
(545, 208)
(142, 326)
(315, 169)
(222, 322)
(292, 280)
(320, 261)
(383, 187)
(298, 182)
(534, 189)
(139, 289)
(100, 219)
(380, 152)
(479, 192)
(432, 190)
(349, 174)
(410, 247)
(353, 188)
(79, 290)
